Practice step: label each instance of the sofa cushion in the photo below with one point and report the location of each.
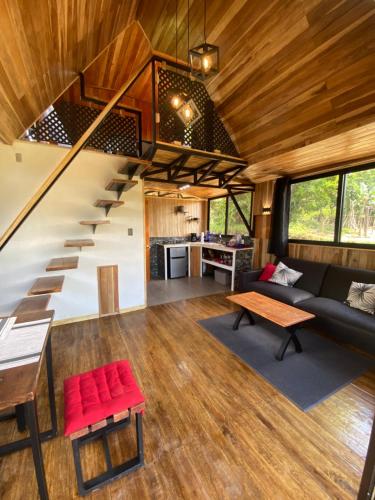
(267, 272)
(313, 273)
(337, 311)
(338, 279)
(361, 296)
(289, 295)
(284, 275)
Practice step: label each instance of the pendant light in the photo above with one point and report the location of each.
(176, 97)
(189, 112)
(204, 59)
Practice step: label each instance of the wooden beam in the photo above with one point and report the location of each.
(68, 158)
(239, 210)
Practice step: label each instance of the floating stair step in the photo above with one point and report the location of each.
(62, 263)
(94, 223)
(108, 204)
(32, 305)
(79, 243)
(120, 186)
(51, 284)
(134, 166)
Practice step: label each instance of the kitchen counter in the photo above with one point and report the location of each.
(236, 266)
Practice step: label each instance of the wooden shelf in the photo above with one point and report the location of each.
(120, 186)
(217, 264)
(94, 223)
(62, 263)
(51, 284)
(108, 204)
(32, 305)
(79, 243)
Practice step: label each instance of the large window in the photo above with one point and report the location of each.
(224, 217)
(337, 209)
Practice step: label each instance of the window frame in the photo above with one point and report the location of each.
(228, 197)
(339, 207)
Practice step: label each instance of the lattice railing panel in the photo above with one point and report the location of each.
(208, 133)
(66, 123)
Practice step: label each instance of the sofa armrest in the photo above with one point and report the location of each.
(247, 277)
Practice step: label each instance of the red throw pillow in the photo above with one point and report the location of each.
(267, 272)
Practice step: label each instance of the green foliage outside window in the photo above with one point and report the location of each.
(313, 208)
(235, 223)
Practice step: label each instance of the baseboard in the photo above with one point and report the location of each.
(77, 319)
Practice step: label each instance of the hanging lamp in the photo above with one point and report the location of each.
(189, 112)
(204, 59)
(177, 97)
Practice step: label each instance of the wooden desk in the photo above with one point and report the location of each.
(18, 388)
(277, 312)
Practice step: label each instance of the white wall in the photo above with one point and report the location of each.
(56, 219)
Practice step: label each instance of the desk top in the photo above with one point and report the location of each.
(18, 385)
(271, 309)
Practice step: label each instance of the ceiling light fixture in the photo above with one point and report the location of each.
(185, 186)
(204, 59)
(176, 97)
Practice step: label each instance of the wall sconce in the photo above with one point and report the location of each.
(266, 210)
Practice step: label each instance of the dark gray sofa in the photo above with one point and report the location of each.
(322, 290)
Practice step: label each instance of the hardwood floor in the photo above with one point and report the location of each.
(213, 427)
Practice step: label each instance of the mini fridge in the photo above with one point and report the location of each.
(177, 262)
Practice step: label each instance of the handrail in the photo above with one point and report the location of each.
(68, 158)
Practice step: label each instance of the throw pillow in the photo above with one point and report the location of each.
(285, 276)
(267, 272)
(362, 296)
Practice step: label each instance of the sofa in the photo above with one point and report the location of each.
(322, 290)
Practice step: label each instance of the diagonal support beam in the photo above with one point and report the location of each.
(208, 171)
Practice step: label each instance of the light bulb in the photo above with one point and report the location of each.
(206, 63)
(176, 101)
(188, 112)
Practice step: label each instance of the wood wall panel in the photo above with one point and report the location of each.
(43, 46)
(164, 222)
(108, 290)
(349, 257)
(292, 74)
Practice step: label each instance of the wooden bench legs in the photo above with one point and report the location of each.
(85, 487)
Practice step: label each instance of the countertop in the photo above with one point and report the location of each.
(213, 246)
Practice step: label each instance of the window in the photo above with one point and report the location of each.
(235, 222)
(358, 217)
(338, 209)
(224, 217)
(313, 209)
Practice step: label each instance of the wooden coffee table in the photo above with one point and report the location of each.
(277, 312)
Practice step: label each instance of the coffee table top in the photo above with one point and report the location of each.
(271, 309)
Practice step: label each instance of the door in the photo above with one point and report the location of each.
(195, 261)
(108, 290)
(147, 242)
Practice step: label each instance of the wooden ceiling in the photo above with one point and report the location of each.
(297, 77)
(43, 46)
(293, 73)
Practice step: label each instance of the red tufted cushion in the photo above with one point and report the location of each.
(95, 395)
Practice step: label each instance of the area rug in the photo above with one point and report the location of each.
(307, 378)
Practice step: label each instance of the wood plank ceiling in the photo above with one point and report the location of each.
(43, 46)
(293, 73)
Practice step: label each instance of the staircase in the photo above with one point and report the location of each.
(42, 289)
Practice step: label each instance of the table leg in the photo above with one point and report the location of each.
(51, 389)
(239, 317)
(284, 345)
(33, 426)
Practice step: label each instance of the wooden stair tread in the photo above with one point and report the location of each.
(134, 166)
(50, 284)
(108, 203)
(120, 185)
(79, 243)
(62, 263)
(94, 222)
(32, 305)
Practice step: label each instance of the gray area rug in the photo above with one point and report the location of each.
(306, 378)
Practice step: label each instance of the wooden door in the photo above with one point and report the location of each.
(195, 261)
(147, 241)
(108, 290)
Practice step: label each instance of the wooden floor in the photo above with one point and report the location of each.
(214, 429)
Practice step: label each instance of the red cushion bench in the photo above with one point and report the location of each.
(98, 402)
